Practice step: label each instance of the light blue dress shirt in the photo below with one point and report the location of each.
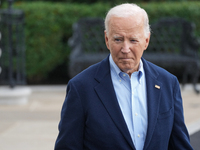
(132, 99)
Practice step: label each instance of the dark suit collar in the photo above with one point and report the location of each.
(103, 70)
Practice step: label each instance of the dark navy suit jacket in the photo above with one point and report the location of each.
(91, 118)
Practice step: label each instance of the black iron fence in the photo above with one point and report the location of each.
(12, 46)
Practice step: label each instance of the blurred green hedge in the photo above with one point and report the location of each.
(49, 25)
(111, 2)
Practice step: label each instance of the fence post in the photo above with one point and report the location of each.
(12, 46)
(12, 57)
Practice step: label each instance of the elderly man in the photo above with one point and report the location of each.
(123, 102)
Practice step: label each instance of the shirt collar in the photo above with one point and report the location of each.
(116, 69)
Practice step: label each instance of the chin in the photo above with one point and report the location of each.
(125, 69)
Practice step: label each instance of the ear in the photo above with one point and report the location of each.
(106, 39)
(147, 41)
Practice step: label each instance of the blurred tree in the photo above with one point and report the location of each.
(113, 1)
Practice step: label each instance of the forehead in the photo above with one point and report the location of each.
(126, 24)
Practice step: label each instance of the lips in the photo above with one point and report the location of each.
(124, 59)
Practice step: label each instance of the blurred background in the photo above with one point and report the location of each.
(45, 30)
(48, 26)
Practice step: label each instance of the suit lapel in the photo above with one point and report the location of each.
(154, 88)
(106, 93)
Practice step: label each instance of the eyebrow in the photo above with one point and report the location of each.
(135, 38)
(117, 36)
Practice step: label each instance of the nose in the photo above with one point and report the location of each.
(126, 47)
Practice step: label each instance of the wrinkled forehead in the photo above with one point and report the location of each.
(136, 20)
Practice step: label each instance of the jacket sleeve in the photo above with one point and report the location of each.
(179, 138)
(71, 125)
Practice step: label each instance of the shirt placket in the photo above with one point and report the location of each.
(135, 112)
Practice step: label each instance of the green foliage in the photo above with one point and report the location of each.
(49, 26)
(187, 10)
(103, 1)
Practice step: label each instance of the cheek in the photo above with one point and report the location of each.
(114, 49)
(139, 53)
(139, 49)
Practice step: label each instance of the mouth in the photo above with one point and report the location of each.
(125, 59)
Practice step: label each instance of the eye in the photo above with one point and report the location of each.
(118, 40)
(133, 41)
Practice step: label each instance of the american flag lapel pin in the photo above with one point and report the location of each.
(157, 86)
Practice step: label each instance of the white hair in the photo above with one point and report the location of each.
(127, 10)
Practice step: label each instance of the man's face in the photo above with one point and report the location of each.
(126, 41)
